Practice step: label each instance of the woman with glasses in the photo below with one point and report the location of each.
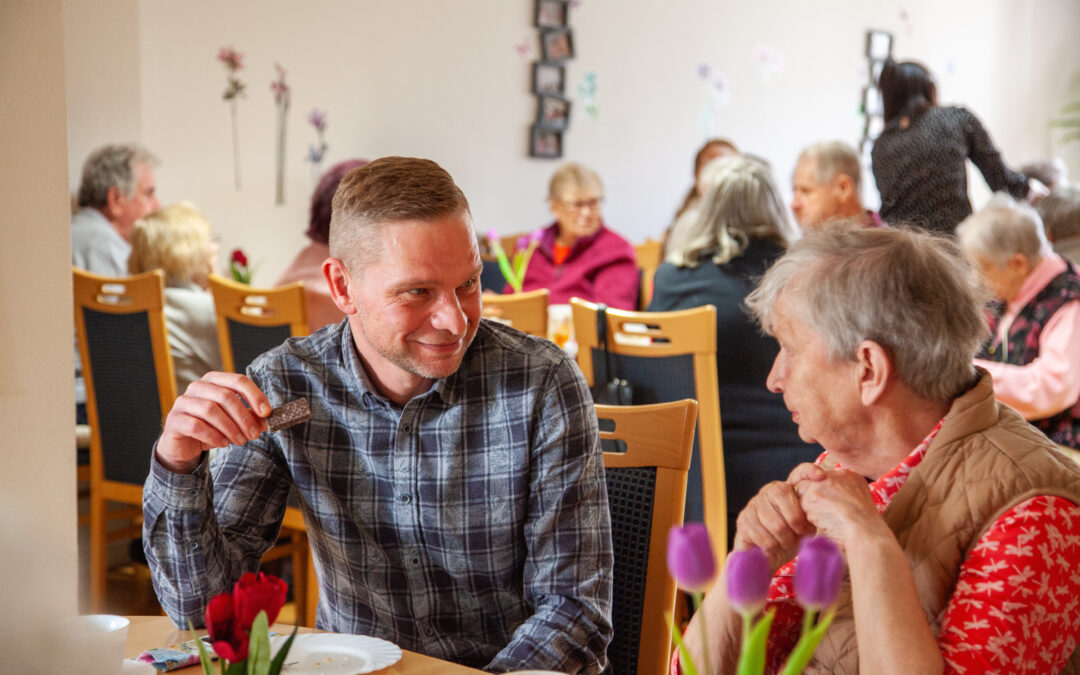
(577, 255)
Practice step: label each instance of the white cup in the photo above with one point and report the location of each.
(93, 644)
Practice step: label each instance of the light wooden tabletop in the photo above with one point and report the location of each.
(150, 632)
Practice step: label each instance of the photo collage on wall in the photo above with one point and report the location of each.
(549, 79)
(878, 51)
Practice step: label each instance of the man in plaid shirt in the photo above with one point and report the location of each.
(450, 475)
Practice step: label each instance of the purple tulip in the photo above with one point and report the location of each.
(818, 573)
(748, 580)
(493, 235)
(690, 557)
(522, 243)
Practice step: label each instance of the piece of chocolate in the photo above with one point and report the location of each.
(285, 416)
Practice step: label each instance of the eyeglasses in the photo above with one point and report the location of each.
(582, 204)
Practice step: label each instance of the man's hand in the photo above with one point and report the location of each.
(774, 519)
(211, 414)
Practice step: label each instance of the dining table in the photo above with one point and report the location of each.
(151, 632)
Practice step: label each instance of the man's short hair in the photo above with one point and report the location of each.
(1002, 228)
(911, 292)
(384, 191)
(109, 166)
(1060, 212)
(835, 158)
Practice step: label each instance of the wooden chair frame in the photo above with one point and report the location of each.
(256, 307)
(662, 436)
(528, 311)
(690, 331)
(119, 295)
(649, 254)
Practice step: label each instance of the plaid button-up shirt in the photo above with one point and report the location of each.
(470, 524)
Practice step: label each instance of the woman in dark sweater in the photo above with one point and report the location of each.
(742, 228)
(919, 159)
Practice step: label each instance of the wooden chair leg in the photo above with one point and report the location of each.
(299, 574)
(98, 552)
(312, 599)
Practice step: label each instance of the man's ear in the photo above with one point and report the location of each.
(875, 370)
(844, 186)
(114, 202)
(340, 282)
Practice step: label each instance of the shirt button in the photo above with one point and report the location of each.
(405, 499)
(193, 545)
(406, 428)
(415, 561)
(429, 631)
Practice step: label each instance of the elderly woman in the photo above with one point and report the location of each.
(1034, 354)
(176, 239)
(937, 495)
(676, 235)
(919, 159)
(741, 229)
(307, 265)
(578, 256)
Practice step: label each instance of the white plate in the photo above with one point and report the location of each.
(316, 653)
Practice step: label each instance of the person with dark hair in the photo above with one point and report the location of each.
(919, 159)
(450, 474)
(307, 265)
(675, 236)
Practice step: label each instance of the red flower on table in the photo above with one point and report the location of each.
(239, 258)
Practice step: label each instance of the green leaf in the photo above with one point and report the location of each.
(279, 660)
(1073, 135)
(204, 656)
(752, 657)
(1075, 122)
(686, 663)
(1070, 108)
(804, 649)
(258, 660)
(237, 668)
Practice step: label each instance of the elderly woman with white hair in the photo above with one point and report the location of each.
(176, 240)
(1034, 354)
(741, 228)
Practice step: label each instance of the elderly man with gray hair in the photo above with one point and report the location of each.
(826, 186)
(1060, 213)
(1034, 354)
(936, 494)
(117, 189)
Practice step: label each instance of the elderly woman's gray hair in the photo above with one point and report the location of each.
(911, 292)
(1002, 228)
(742, 202)
(111, 166)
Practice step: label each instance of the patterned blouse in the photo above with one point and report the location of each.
(921, 172)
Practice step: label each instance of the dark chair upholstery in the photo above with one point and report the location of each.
(249, 342)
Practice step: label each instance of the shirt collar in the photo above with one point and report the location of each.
(1049, 267)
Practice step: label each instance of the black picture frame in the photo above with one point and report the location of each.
(548, 78)
(879, 45)
(552, 13)
(552, 112)
(556, 45)
(871, 101)
(545, 143)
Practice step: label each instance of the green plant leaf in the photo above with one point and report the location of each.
(1074, 122)
(752, 656)
(258, 660)
(804, 649)
(1070, 108)
(204, 656)
(686, 663)
(1073, 135)
(234, 668)
(279, 660)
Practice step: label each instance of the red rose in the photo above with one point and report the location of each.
(255, 593)
(239, 258)
(229, 640)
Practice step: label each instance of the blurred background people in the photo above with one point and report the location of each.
(1060, 213)
(307, 265)
(176, 240)
(827, 185)
(674, 237)
(1053, 173)
(919, 159)
(742, 228)
(1034, 354)
(578, 256)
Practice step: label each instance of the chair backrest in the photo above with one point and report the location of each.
(251, 321)
(649, 255)
(491, 276)
(130, 386)
(646, 489)
(667, 356)
(528, 311)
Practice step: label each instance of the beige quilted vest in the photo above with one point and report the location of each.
(985, 460)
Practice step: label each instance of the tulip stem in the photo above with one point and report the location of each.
(699, 598)
(808, 620)
(686, 662)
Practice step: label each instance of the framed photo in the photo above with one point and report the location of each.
(556, 45)
(552, 112)
(878, 45)
(551, 13)
(548, 78)
(871, 101)
(545, 143)
(875, 71)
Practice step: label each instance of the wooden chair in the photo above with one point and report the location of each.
(646, 489)
(528, 311)
(130, 387)
(649, 255)
(667, 356)
(252, 321)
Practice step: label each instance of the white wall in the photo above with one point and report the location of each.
(38, 562)
(442, 79)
